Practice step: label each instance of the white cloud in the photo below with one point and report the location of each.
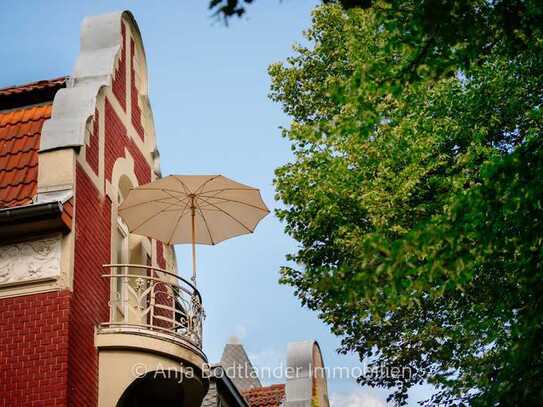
(268, 358)
(357, 398)
(270, 365)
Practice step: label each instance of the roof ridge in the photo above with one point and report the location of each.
(265, 388)
(41, 82)
(32, 93)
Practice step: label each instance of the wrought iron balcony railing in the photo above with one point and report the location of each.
(153, 299)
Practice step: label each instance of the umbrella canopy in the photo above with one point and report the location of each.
(196, 209)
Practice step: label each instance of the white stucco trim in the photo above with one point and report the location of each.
(299, 387)
(37, 271)
(125, 355)
(101, 41)
(302, 359)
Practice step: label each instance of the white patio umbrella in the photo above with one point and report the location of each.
(196, 209)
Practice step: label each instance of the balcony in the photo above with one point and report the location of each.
(155, 326)
(155, 302)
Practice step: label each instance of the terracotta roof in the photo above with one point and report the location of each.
(23, 110)
(30, 93)
(33, 86)
(20, 131)
(270, 396)
(68, 213)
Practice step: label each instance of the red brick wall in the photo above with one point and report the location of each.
(91, 152)
(162, 296)
(47, 352)
(34, 349)
(91, 291)
(93, 249)
(116, 142)
(119, 81)
(161, 261)
(136, 112)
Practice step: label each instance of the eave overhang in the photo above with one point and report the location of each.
(227, 386)
(31, 220)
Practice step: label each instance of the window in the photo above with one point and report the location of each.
(129, 286)
(119, 291)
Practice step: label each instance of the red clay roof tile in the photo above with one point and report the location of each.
(33, 86)
(270, 396)
(15, 97)
(20, 132)
(68, 212)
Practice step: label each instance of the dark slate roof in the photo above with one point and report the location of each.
(211, 398)
(238, 367)
(222, 391)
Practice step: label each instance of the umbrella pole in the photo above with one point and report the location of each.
(193, 246)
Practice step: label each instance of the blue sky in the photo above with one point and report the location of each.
(208, 89)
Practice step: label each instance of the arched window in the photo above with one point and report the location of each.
(131, 250)
(119, 289)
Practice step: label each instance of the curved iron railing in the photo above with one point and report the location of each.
(151, 298)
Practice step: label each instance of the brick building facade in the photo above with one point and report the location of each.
(70, 149)
(90, 314)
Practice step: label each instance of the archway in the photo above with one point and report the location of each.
(158, 388)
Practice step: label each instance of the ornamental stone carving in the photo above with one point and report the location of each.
(31, 260)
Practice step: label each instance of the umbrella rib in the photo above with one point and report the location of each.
(187, 190)
(151, 201)
(176, 208)
(236, 201)
(205, 222)
(171, 195)
(151, 217)
(226, 213)
(205, 183)
(177, 223)
(162, 189)
(231, 189)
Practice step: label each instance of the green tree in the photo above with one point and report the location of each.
(416, 192)
(232, 8)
